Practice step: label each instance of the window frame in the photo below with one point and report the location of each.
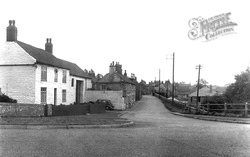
(72, 82)
(64, 76)
(43, 95)
(56, 75)
(44, 73)
(64, 95)
(103, 87)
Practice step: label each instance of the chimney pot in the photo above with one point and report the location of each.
(11, 31)
(49, 46)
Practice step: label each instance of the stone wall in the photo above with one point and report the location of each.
(116, 97)
(21, 110)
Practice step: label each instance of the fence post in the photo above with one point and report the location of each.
(225, 108)
(246, 109)
(208, 108)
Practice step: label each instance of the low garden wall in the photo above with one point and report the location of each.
(115, 97)
(78, 109)
(21, 110)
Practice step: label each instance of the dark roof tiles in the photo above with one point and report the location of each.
(44, 57)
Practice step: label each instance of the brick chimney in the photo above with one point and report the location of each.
(92, 73)
(118, 68)
(49, 46)
(112, 68)
(125, 73)
(11, 31)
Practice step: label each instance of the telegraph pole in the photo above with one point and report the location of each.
(173, 79)
(159, 81)
(198, 85)
(173, 83)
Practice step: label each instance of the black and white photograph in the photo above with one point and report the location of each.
(124, 78)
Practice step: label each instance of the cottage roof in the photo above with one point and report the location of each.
(106, 79)
(44, 57)
(205, 91)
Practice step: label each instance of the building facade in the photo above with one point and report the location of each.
(36, 76)
(115, 80)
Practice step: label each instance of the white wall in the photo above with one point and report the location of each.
(24, 82)
(50, 85)
(12, 53)
(18, 82)
(114, 96)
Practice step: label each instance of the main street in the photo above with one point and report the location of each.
(156, 132)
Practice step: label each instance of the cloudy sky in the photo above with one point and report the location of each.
(139, 34)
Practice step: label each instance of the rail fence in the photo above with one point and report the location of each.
(239, 108)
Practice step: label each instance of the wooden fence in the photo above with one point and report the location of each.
(223, 108)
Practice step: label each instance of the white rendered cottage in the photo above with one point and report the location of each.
(33, 75)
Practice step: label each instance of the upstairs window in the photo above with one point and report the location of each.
(72, 82)
(56, 75)
(64, 77)
(44, 73)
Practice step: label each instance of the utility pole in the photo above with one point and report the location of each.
(173, 83)
(198, 85)
(159, 81)
(173, 79)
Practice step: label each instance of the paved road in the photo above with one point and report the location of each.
(156, 133)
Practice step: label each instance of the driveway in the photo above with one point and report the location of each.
(156, 132)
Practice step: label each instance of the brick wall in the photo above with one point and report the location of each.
(114, 96)
(21, 110)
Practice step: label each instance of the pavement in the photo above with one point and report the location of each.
(110, 119)
(216, 118)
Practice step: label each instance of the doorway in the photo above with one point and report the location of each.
(79, 91)
(55, 96)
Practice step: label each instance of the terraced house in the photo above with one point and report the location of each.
(33, 75)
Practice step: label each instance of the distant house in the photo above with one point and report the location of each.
(144, 88)
(115, 80)
(94, 78)
(36, 76)
(182, 91)
(138, 93)
(203, 92)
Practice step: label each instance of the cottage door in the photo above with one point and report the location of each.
(55, 96)
(79, 91)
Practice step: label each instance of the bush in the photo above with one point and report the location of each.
(214, 100)
(5, 98)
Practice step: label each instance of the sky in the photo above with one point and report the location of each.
(141, 35)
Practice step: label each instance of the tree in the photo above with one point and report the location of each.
(203, 83)
(238, 91)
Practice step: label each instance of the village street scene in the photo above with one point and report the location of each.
(99, 88)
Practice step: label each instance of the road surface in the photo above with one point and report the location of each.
(156, 133)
